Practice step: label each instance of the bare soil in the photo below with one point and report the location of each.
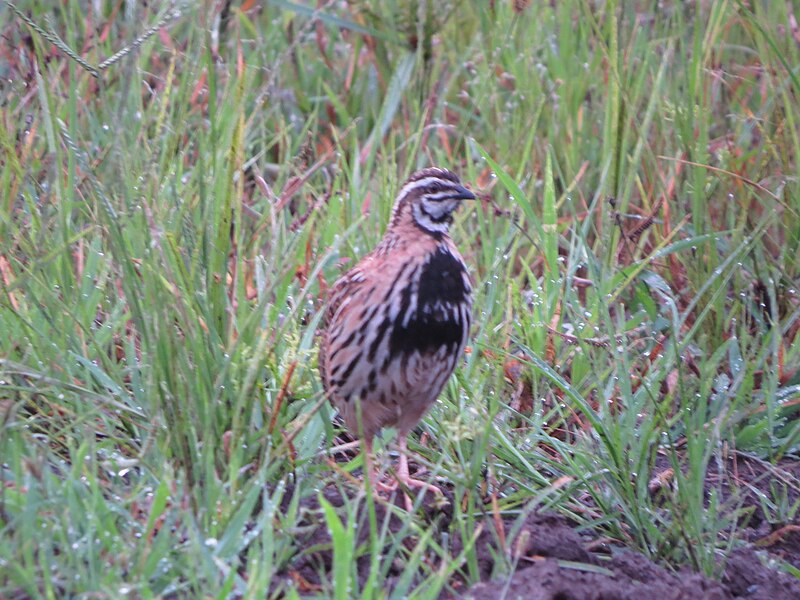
(553, 561)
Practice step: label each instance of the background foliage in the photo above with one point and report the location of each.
(181, 183)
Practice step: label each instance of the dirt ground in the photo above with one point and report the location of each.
(554, 561)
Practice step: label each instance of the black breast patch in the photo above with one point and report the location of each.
(436, 321)
(442, 279)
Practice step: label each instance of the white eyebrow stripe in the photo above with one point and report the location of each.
(409, 187)
(440, 195)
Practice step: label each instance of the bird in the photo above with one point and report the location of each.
(397, 323)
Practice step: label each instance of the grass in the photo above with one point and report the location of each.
(169, 228)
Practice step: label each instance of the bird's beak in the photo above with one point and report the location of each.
(462, 193)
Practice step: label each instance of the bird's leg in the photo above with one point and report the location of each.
(369, 467)
(346, 447)
(405, 479)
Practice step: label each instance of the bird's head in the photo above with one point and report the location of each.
(428, 198)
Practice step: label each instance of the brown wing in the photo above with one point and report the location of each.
(344, 287)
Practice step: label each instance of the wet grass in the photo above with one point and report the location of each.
(172, 217)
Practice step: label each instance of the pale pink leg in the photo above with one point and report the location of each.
(405, 479)
(369, 467)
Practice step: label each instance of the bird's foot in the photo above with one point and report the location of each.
(383, 487)
(409, 483)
